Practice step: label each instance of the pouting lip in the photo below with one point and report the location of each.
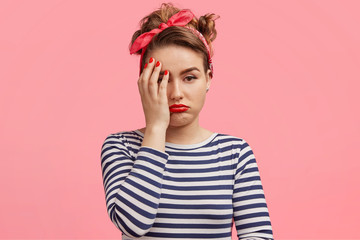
(178, 110)
(178, 105)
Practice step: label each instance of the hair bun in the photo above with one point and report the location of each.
(206, 25)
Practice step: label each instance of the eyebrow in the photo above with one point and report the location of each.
(186, 70)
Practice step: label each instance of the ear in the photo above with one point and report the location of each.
(208, 78)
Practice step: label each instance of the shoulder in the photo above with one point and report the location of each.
(233, 140)
(129, 140)
(245, 157)
(124, 136)
(236, 144)
(126, 142)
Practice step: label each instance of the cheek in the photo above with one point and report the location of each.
(198, 97)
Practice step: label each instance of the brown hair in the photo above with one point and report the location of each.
(175, 35)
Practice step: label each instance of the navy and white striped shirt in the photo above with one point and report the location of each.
(187, 192)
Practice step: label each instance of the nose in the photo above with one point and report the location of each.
(174, 90)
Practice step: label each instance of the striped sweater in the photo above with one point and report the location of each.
(192, 191)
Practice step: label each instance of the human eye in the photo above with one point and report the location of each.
(160, 78)
(190, 78)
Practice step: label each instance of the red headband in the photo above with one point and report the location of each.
(179, 19)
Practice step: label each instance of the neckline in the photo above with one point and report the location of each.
(185, 146)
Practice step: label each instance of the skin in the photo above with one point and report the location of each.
(185, 83)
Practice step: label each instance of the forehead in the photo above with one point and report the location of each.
(176, 58)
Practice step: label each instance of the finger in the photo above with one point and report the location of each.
(139, 83)
(145, 75)
(140, 80)
(163, 85)
(147, 71)
(153, 81)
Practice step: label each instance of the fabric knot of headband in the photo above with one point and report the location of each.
(181, 18)
(162, 26)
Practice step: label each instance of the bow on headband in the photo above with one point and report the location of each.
(181, 18)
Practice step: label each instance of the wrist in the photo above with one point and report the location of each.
(154, 137)
(156, 129)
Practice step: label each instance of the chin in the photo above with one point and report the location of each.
(179, 120)
(177, 123)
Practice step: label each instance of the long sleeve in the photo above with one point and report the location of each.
(132, 184)
(251, 215)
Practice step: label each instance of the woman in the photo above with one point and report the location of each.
(174, 179)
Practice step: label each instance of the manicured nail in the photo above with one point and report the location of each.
(145, 65)
(166, 72)
(151, 60)
(157, 63)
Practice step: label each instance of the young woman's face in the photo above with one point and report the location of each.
(187, 82)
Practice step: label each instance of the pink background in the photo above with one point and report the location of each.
(286, 80)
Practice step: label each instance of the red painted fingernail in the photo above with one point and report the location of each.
(157, 63)
(145, 65)
(151, 60)
(166, 72)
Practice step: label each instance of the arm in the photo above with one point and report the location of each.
(251, 214)
(132, 187)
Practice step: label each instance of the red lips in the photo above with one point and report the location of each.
(176, 108)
